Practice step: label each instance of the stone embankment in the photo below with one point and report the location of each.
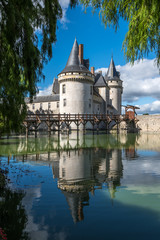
(148, 123)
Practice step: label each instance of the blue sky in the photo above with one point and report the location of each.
(141, 82)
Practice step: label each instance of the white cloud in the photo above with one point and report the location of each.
(151, 108)
(35, 230)
(64, 5)
(104, 70)
(46, 91)
(140, 80)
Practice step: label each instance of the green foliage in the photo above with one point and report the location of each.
(143, 16)
(13, 217)
(27, 31)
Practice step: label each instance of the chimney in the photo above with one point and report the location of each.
(92, 70)
(81, 53)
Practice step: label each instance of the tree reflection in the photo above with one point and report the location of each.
(13, 216)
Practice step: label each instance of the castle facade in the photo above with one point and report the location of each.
(80, 90)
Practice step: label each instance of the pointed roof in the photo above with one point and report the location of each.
(73, 59)
(112, 72)
(73, 63)
(99, 81)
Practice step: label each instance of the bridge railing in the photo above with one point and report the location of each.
(73, 117)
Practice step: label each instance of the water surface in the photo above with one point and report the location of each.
(90, 187)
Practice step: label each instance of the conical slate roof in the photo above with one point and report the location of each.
(99, 81)
(73, 63)
(76, 201)
(73, 59)
(112, 72)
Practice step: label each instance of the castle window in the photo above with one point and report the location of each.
(64, 88)
(49, 105)
(57, 104)
(64, 102)
(63, 172)
(91, 90)
(33, 106)
(89, 103)
(41, 105)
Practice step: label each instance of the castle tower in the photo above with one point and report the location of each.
(115, 171)
(76, 84)
(115, 85)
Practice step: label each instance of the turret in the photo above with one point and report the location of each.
(115, 84)
(76, 83)
(115, 171)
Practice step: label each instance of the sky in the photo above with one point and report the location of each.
(141, 82)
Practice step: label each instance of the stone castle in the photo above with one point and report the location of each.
(78, 90)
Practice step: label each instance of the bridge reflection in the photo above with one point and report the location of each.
(57, 144)
(81, 165)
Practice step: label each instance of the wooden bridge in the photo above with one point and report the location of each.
(33, 121)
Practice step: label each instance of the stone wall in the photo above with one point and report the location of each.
(148, 123)
(54, 107)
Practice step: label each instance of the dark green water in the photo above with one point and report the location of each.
(93, 187)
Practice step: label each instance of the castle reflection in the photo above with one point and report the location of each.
(80, 173)
(81, 164)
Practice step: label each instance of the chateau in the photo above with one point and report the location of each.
(80, 90)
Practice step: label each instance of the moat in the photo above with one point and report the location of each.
(90, 187)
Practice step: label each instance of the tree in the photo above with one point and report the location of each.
(143, 16)
(27, 31)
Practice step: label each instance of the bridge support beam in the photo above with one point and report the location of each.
(34, 120)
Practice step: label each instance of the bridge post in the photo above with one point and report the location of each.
(58, 125)
(117, 127)
(35, 131)
(49, 130)
(97, 128)
(93, 127)
(49, 126)
(58, 128)
(84, 128)
(27, 131)
(77, 127)
(107, 127)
